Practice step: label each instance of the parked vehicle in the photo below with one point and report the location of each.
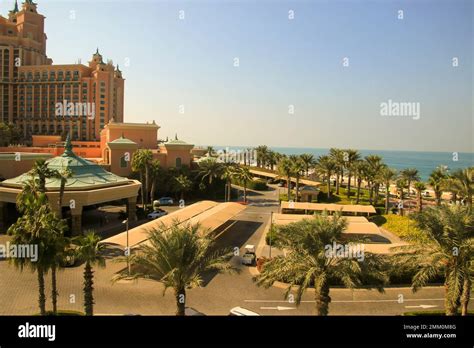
(249, 258)
(242, 312)
(166, 201)
(156, 214)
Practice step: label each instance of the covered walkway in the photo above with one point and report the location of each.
(312, 207)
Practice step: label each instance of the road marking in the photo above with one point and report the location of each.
(422, 306)
(279, 308)
(352, 301)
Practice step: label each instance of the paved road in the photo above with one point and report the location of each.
(18, 293)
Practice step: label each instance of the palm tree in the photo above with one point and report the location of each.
(183, 184)
(243, 175)
(272, 159)
(309, 262)
(63, 175)
(89, 250)
(326, 167)
(337, 156)
(360, 169)
(41, 170)
(374, 166)
(228, 173)
(178, 257)
(401, 186)
(447, 249)
(452, 185)
(297, 169)
(285, 169)
(465, 182)
(308, 161)
(419, 187)
(138, 165)
(436, 181)
(350, 157)
(410, 175)
(387, 175)
(210, 151)
(154, 171)
(210, 169)
(262, 152)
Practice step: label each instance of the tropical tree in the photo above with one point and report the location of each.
(228, 173)
(452, 185)
(465, 183)
(387, 175)
(210, 151)
(209, 170)
(401, 185)
(244, 176)
(308, 161)
(310, 260)
(183, 185)
(63, 175)
(41, 170)
(326, 167)
(285, 169)
(178, 257)
(140, 161)
(337, 156)
(350, 157)
(272, 159)
(410, 175)
(89, 251)
(359, 168)
(262, 153)
(298, 168)
(419, 187)
(447, 249)
(374, 166)
(154, 171)
(437, 181)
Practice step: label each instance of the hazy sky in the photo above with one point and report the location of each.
(283, 62)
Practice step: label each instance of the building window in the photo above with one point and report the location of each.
(178, 162)
(123, 162)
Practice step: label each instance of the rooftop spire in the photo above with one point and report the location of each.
(15, 9)
(68, 146)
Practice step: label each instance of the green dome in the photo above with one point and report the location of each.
(85, 174)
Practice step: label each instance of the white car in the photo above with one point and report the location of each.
(249, 258)
(156, 214)
(242, 312)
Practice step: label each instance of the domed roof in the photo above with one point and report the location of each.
(85, 174)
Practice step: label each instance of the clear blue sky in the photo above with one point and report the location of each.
(190, 62)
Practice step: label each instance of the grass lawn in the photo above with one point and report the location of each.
(438, 312)
(402, 226)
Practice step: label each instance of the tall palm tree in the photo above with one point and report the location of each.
(401, 186)
(244, 176)
(183, 185)
(178, 257)
(210, 151)
(40, 169)
(228, 173)
(410, 175)
(308, 261)
(452, 185)
(419, 187)
(154, 171)
(138, 166)
(436, 181)
(387, 175)
(465, 181)
(298, 168)
(63, 175)
(262, 151)
(337, 156)
(308, 161)
(360, 169)
(89, 250)
(326, 167)
(285, 169)
(209, 170)
(447, 249)
(272, 159)
(350, 157)
(374, 165)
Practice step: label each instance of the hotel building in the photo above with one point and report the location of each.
(32, 88)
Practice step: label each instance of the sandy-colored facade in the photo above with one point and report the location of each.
(46, 99)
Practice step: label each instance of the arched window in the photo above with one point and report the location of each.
(178, 162)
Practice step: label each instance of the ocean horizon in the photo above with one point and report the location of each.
(424, 161)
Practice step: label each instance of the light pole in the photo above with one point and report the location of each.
(127, 250)
(271, 228)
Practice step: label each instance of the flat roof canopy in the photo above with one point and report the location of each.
(210, 215)
(276, 176)
(344, 208)
(356, 224)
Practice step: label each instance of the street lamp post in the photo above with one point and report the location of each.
(271, 227)
(127, 250)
